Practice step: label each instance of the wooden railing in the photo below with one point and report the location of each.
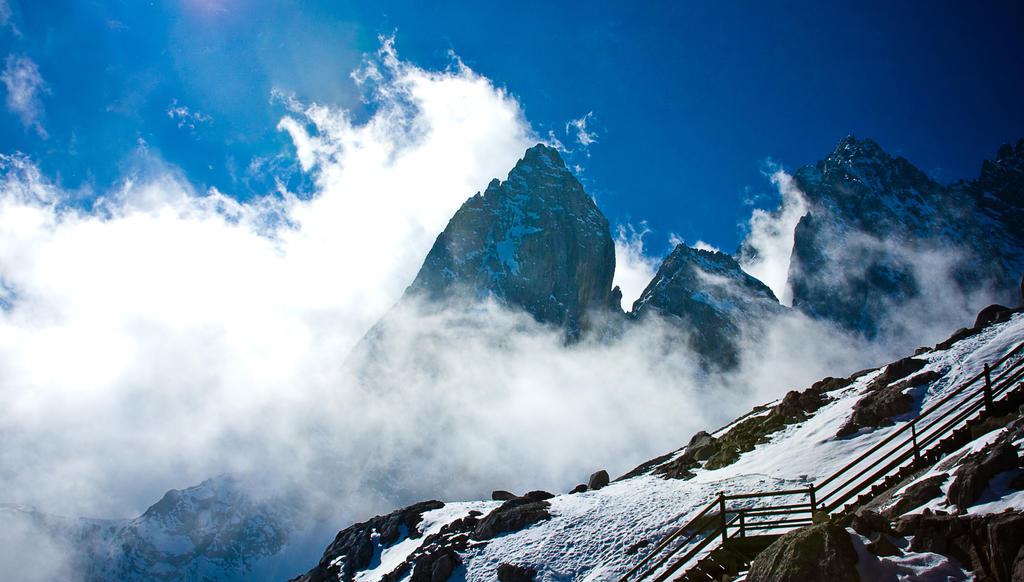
(918, 441)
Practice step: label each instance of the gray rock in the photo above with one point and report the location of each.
(847, 266)
(501, 495)
(513, 515)
(535, 241)
(514, 573)
(819, 553)
(973, 476)
(710, 299)
(918, 494)
(992, 314)
(598, 480)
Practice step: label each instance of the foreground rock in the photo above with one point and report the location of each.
(820, 553)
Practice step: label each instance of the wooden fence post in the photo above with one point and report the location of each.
(721, 509)
(988, 391)
(913, 436)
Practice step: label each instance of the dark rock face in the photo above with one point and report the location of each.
(992, 546)
(710, 297)
(992, 314)
(598, 480)
(500, 495)
(356, 547)
(513, 573)
(514, 515)
(918, 494)
(885, 399)
(535, 241)
(853, 258)
(820, 553)
(973, 476)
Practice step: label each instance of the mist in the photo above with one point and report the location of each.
(166, 335)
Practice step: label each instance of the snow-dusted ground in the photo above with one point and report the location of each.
(588, 533)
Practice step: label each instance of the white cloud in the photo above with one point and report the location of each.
(771, 237)
(633, 269)
(170, 335)
(25, 87)
(5, 13)
(184, 117)
(584, 137)
(703, 246)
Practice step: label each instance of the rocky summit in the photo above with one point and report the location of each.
(878, 231)
(535, 241)
(707, 294)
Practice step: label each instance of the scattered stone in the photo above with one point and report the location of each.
(513, 573)
(815, 553)
(918, 494)
(579, 488)
(958, 335)
(598, 480)
(501, 495)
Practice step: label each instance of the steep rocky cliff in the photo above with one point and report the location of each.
(535, 241)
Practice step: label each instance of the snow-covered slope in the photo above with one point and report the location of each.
(600, 534)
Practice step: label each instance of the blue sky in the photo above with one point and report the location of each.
(686, 101)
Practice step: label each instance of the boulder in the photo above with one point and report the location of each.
(883, 547)
(973, 476)
(598, 480)
(992, 314)
(578, 489)
(867, 523)
(436, 567)
(818, 553)
(514, 515)
(501, 495)
(514, 573)
(701, 446)
(876, 409)
(918, 494)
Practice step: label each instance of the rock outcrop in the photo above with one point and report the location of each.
(535, 241)
(873, 218)
(354, 547)
(820, 553)
(711, 299)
